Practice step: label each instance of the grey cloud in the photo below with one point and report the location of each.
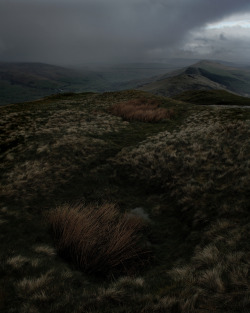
(223, 37)
(77, 31)
(232, 44)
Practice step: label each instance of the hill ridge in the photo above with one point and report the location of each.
(203, 75)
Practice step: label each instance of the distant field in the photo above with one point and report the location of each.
(124, 202)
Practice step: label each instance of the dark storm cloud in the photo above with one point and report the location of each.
(74, 31)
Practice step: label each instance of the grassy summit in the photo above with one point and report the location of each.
(95, 158)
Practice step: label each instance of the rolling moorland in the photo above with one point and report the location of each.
(125, 202)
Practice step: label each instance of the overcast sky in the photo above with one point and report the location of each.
(79, 31)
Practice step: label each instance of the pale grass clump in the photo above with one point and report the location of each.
(208, 256)
(28, 286)
(43, 148)
(122, 290)
(166, 303)
(174, 304)
(17, 261)
(143, 110)
(178, 273)
(218, 231)
(3, 221)
(111, 295)
(128, 281)
(98, 239)
(211, 279)
(50, 251)
(41, 296)
(189, 304)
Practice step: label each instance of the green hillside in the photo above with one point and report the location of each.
(124, 202)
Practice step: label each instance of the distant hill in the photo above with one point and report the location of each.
(21, 82)
(204, 75)
(212, 97)
(29, 81)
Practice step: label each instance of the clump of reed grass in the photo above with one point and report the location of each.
(99, 239)
(144, 110)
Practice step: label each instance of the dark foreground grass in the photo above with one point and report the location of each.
(190, 175)
(203, 169)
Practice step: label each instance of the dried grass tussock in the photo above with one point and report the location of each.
(144, 110)
(98, 239)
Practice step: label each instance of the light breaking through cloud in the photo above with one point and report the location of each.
(76, 32)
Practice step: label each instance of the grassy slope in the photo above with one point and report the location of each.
(204, 75)
(68, 148)
(172, 86)
(210, 97)
(235, 79)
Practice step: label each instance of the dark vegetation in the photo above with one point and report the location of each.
(212, 97)
(189, 174)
